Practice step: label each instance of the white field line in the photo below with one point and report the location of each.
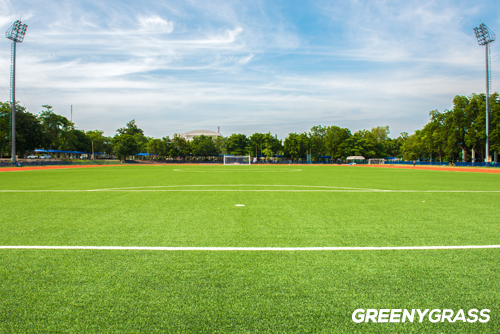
(187, 186)
(239, 170)
(236, 185)
(216, 188)
(253, 248)
(250, 190)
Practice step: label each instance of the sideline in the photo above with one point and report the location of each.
(252, 248)
(251, 190)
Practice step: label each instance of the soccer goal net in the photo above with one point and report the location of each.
(237, 160)
(376, 161)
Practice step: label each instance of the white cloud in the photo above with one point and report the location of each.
(388, 31)
(154, 23)
(245, 60)
(233, 34)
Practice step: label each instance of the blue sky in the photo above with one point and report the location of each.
(247, 66)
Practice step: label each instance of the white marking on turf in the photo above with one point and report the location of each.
(253, 248)
(145, 189)
(216, 186)
(244, 170)
(156, 188)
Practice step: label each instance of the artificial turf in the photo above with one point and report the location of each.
(211, 291)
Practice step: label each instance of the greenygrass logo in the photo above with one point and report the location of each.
(434, 316)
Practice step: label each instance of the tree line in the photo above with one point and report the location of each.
(450, 135)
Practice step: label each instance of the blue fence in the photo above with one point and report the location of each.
(419, 163)
(106, 162)
(477, 164)
(179, 162)
(58, 163)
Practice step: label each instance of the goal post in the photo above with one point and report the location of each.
(376, 161)
(237, 160)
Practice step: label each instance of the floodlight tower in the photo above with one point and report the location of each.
(484, 37)
(15, 33)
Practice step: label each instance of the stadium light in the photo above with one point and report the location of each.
(484, 37)
(15, 33)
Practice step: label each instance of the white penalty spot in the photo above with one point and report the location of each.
(240, 205)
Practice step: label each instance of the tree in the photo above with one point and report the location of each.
(268, 153)
(394, 146)
(169, 149)
(413, 147)
(131, 128)
(124, 145)
(181, 145)
(203, 146)
(364, 143)
(5, 129)
(75, 140)
(155, 147)
(29, 131)
(255, 144)
(129, 140)
(495, 123)
(221, 144)
(475, 138)
(433, 134)
(263, 143)
(296, 145)
(102, 144)
(337, 142)
(237, 144)
(142, 142)
(276, 145)
(53, 125)
(272, 145)
(458, 122)
(380, 135)
(317, 140)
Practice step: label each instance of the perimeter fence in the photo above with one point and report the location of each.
(282, 162)
(477, 164)
(57, 163)
(418, 163)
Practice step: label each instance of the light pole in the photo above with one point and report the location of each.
(15, 33)
(484, 37)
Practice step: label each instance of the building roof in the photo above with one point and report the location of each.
(196, 133)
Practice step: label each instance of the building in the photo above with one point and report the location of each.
(191, 134)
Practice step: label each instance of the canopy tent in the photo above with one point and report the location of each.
(355, 157)
(60, 151)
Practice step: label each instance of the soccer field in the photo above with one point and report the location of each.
(309, 246)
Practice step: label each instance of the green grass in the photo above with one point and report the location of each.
(245, 292)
